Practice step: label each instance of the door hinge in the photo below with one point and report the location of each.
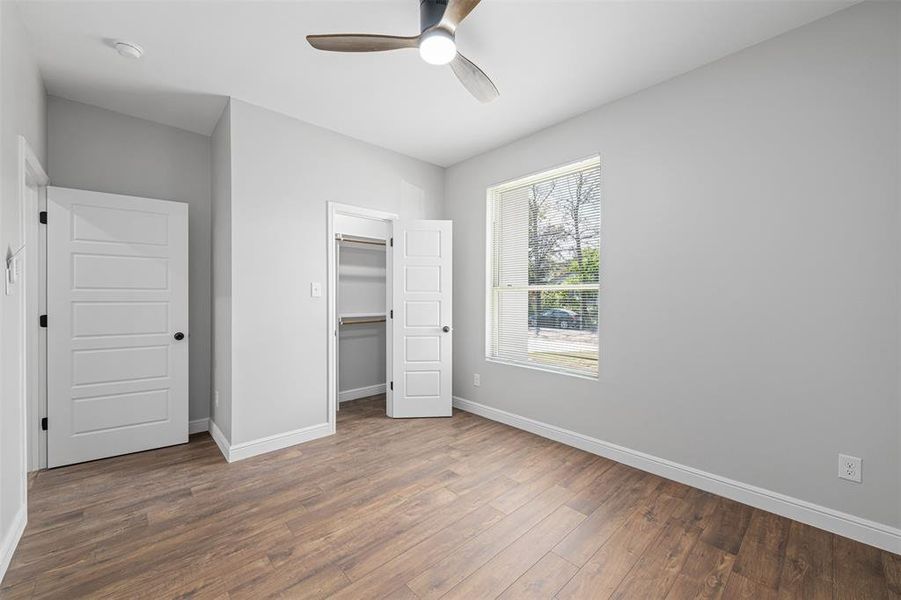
(43, 320)
(44, 424)
(392, 313)
(392, 242)
(42, 217)
(392, 385)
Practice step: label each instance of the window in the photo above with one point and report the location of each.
(544, 256)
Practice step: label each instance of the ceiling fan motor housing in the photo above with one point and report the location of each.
(430, 13)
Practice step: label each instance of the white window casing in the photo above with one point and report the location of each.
(544, 234)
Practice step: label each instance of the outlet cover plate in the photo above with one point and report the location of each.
(849, 467)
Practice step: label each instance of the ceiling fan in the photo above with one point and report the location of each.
(438, 21)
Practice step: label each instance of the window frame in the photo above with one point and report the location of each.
(492, 291)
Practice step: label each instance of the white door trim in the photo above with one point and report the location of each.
(334, 209)
(34, 372)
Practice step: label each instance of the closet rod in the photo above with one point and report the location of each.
(359, 240)
(361, 321)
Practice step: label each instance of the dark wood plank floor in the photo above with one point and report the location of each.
(428, 508)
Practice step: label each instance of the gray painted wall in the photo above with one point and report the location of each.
(750, 267)
(284, 172)
(22, 112)
(221, 178)
(91, 148)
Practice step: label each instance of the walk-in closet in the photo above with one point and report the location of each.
(361, 296)
(390, 297)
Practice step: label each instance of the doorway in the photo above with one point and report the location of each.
(361, 300)
(26, 278)
(414, 309)
(358, 297)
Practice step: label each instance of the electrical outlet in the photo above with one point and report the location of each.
(849, 467)
(216, 398)
(476, 380)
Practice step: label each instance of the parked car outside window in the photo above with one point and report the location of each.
(556, 318)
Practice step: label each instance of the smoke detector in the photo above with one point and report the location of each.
(129, 50)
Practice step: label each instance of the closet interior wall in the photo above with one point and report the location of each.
(361, 311)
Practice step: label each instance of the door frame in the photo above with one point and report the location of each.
(32, 302)
(335, 209)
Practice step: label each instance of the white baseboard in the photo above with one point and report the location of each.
(198, 426)
(234, 452)
(361, 392)
(863, 530)
(220, 439)
(11, 540)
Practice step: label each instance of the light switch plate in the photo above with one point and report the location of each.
(315, 289)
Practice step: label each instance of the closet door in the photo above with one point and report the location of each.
(422, 330)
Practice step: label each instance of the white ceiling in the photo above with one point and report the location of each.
(550, 59)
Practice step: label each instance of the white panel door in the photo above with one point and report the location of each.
(117, 331)
(422, 340)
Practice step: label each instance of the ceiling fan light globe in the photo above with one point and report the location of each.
(437, 48)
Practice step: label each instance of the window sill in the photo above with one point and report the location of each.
(534, 367)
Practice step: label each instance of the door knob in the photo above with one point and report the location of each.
(445, 329)
(179, 336)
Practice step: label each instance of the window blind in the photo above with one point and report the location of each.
(544, 257)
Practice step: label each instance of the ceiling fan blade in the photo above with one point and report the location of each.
(456, 11)
(474, 79)
(361, 42)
